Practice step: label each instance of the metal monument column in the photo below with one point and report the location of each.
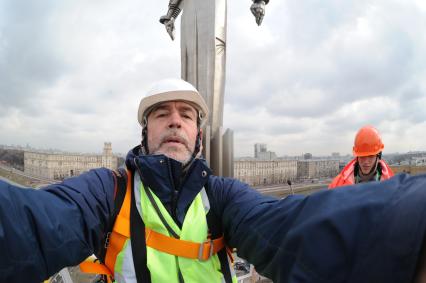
(203, 55)
(203, 62)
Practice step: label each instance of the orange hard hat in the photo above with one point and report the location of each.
(367, 142)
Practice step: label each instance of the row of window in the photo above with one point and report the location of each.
(264, 166)
(62, 157)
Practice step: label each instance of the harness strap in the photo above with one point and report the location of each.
(115, 239)
(182, 248)
(94, 267)
(163, 243)
(121, 230)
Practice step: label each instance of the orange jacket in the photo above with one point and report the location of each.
(347, 177)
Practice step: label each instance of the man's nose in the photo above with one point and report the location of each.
(175, 120)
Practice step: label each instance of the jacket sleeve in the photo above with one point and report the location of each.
(366, 233)
(42, 231)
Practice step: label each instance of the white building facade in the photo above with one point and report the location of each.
(58, 166)
(258, 172)
(316, 169)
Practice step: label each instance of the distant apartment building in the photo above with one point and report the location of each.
(335, 155)
(261, 152)
(269, 155)
(307, 156)
(418, 161)
(60, 165)
(258, 149)
(313, 169)
(409, 169)
(259, 172)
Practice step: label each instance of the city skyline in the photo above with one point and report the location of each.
(123, 154)
(72, 73)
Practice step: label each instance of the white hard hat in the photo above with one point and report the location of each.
(173, 90)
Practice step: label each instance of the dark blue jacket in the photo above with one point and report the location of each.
(365, 233)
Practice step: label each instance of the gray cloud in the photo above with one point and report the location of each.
(28, 61)
(73, 72)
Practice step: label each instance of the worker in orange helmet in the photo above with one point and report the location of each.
(368, 164)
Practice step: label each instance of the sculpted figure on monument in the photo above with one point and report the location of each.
(168, 20)
(258, 10)
(175, 7)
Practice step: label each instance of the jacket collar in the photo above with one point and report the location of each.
(348, 171)
(164, 176)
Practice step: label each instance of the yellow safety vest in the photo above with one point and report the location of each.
(193, 254)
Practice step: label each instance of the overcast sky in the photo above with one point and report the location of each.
(72, 73)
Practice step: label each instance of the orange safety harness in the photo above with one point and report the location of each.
(121, 232)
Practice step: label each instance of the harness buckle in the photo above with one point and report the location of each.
(201, 250)
(107, 238)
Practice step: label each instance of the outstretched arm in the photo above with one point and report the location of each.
(42, 231)
(364, 233)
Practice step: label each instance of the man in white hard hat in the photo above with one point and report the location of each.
(166, 98)
(166, 218)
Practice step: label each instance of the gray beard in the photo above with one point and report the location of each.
(184, 161)
(182, 135)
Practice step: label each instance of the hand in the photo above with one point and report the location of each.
(258, 10)
(169, 23)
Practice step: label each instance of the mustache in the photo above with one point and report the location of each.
(175, 136)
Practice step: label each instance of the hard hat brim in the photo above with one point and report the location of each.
(188, 96)
(366, 153)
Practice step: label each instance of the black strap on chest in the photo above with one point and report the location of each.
(137, 239)
(120, 193)
(215, 227)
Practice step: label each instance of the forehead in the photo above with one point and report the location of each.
(367, 157)
(180, 105)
